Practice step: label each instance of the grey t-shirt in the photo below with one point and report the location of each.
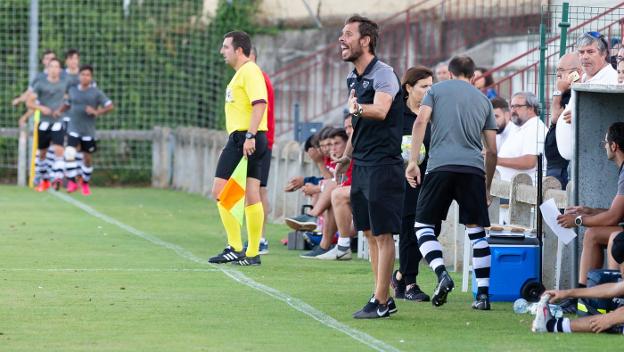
(80, 122)
(51, 95)
(620, 191)
(460, 114)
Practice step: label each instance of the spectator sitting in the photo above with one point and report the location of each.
(321, 192)
(612, 322)
(484, 83)
(600, 223)
(519, 152)
(341, 204)
(442, 72)
(323, 207)
(311, 147)
(620, 71)
(503, 121)
(568, 71)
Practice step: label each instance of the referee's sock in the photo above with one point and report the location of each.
(232, 229)
(254, 217)
(430, 248)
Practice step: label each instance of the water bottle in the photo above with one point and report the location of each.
(521, 306)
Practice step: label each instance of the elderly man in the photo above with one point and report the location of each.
(568, 72)
(519, 152)
(593, 52)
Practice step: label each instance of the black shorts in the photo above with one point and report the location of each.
(233, 152)
(377, 198)
(438, 190)
(266, 167)
(86, 143)
(50, 133)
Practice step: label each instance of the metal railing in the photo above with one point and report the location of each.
(426, 33)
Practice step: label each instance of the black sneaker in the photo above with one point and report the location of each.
(569, 305)
(391, 304)
(315, 252)
(398, 286)
(414, 293)
(373, 310)
(445, 286)
(248, 261)
(303, 222)
(482, 302)
(228, 255)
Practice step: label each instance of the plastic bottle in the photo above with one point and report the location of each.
(521, 306)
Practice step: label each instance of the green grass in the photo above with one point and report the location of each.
(138, 302)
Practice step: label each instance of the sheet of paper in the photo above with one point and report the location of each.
(550, 213)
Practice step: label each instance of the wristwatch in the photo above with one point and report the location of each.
(249, 135)
(579, 220)
(556, 93)
(358, 110)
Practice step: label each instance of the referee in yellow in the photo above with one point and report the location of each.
(246, 122)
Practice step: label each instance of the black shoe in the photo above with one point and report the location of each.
(445, 285)
(248, 261)
(228, 255)
(398, 286)
(482, 302)
(373, 310)
(392, 305)
(569, 305)
(414, 293)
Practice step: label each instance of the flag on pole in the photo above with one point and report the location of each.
(232, 196)
(33, 153)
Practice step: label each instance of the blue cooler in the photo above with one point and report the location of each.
(515, 267)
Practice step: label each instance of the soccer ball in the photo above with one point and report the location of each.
(406, 146)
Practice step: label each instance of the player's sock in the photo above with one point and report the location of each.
(254, 217)
(481, 258)
(430, 248)
(49, 159)
(57, 168)
(232, 229)
(40, 169)
(559, 325)
(344, 243)
(86, 173)
(79, 163)
(71, 169)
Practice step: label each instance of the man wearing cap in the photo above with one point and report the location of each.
(612, 322)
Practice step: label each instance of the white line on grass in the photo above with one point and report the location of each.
(238, 276)
(137, 270)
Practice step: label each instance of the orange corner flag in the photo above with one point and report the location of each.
(232, 196)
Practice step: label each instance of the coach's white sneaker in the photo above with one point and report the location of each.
(542, 315)
(335, 254)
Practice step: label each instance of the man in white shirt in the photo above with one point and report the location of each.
(519, 152)
(593, 51)
(502, 114)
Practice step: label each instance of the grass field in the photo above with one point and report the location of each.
(130, 274)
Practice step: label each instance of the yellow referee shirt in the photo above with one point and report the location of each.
(246, 88)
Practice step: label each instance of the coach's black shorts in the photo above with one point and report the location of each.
(50, 133)
(233, 152)
(266, 167)
(86, 143)
(438, 190)
(377, 198)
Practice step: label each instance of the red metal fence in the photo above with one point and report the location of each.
(426, 33)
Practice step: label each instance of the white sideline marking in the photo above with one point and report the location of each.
(238, 276)
(139, 270)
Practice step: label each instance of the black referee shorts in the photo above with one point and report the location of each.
(50, 133)
(233, 152)
(266, 167)
(377, 198)
(438, 190)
